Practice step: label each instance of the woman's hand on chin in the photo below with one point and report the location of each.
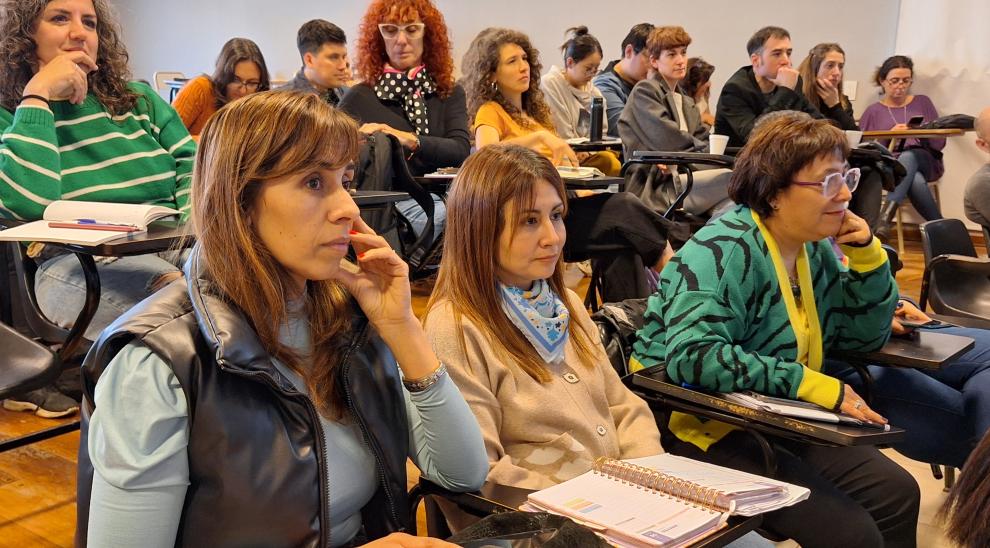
(380, 279)
(853, 230)
(65, 77)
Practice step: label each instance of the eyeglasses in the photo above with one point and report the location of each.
(899, 81)
(834, 181)
(250, 85)
(391, 32)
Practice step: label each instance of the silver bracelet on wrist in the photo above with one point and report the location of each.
(418, 385)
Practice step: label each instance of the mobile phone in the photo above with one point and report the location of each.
(915, 121)
(915, 325)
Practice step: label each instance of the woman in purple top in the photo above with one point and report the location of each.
(921, 157)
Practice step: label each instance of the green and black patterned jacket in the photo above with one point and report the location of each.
(724, 317)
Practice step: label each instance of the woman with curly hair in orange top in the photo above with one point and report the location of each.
(502, 77)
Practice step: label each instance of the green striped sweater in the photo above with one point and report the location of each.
(82, 152)
(722, 319)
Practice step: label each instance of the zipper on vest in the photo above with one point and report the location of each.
(364, 428)
(321, 447)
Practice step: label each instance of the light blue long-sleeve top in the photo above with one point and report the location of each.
(139, 434)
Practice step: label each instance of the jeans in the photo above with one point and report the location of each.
(125, 281)
(914, 185)
(944, 412)
(416, 216)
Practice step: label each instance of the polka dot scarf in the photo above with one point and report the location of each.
(409, 88)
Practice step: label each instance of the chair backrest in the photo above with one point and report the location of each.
(946, 237)
(163, 76)
(957, 287)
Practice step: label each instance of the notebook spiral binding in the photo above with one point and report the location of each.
(665, 484)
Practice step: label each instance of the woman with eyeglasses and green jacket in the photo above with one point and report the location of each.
(756, 301)
(240, 71)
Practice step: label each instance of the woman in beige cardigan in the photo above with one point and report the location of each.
(519, 345)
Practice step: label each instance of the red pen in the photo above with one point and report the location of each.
(89, 226)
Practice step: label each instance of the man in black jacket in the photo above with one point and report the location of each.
(770, 83)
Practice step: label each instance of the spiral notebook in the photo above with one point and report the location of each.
(663, 500)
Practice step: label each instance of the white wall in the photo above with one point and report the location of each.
(951, 53)
(186, 35)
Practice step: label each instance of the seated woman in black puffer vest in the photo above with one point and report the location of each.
(257, 401)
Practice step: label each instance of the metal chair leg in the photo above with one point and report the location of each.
(936, 471)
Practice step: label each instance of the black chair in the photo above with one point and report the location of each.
(986, 237)
(26, 363)
(382, 166)
(955, 282)
(668, 192)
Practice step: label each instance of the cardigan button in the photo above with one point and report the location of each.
(601, 430)
(571, 378)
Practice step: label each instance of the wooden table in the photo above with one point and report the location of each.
(494, 499)
(912, 133)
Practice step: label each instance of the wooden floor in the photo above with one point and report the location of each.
(37, 483)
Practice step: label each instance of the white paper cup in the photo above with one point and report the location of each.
(854, 137)
(717, 143)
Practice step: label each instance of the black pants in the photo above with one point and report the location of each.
(859, 497)
(621, 235)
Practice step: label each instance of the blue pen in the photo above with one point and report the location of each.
(98, 222)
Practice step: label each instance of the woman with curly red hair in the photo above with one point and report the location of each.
(409, 90)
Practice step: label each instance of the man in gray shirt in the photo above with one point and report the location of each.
(976, 201)
(619, 77)
(326, 70)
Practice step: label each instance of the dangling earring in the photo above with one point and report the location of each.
(494, 86)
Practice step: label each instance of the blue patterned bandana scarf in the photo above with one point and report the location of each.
(540, 315)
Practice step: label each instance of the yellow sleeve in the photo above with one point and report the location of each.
(819, 388)
(867, 258)
(490, 114)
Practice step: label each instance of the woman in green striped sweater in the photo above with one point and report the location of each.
(753, 302)
(74, 128)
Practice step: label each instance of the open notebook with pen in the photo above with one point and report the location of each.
(662, 500)
(87, 223)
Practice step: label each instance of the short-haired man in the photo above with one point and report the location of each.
(325, 70)
(767, 84)
(658, 116)
(976, 201)
(619, 77)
